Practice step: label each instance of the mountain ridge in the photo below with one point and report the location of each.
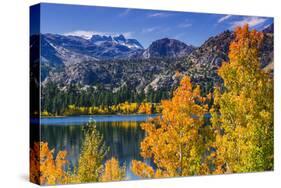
(140, 72)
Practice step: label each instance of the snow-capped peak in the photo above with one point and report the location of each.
(117, 40)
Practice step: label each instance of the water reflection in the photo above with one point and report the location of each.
(123, 138)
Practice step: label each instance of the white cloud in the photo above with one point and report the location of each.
(251, 21)
(226, 17)
(127, 34)
(185, 25)
(179, 36)
(149, 30)
(88, 34)
(125, 12)
(158, 15)
(84, 34)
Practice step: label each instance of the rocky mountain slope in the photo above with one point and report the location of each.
(204, 61)
(167, 48)
(71, 49)
(154, 67)
(59, 51)
(135, 74)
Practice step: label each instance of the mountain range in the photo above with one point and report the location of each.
(115, 61)
(60, 49)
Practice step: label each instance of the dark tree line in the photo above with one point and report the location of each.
(55, 100)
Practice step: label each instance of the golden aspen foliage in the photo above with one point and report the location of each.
(121, 108)
(91, 157)
(44, 169)
(45, 113)
(142, 170)
(113, 171)
(174, 140)
(127, 107)
(242, 113)
(145, 108)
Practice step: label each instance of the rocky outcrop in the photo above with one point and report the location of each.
(167, 48)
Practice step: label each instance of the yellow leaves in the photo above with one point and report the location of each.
(243, 113)
(246, 42)
(243, 69)
(143, 170)
(44, 169)
(47, 169)
(92, 155)
(35, 163)
(45, 113)
(185, 86)
(90, 165)
(123, 108)
(145, 108)
(173, 139)
(242, 122)
(177, 141)
(112, 171)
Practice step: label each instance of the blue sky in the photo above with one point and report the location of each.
(144, 25)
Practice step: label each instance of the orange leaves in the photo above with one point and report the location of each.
(244, 137)
(246, 42)
(48, 169)
(145, 108)
(173, 139)
(177, 141)
(242, 120)
(112, 171)
(60, 162)
(185, 86)
(35, 163)
(185, 108)
(243, 69)
(141, 169)
(43, 168)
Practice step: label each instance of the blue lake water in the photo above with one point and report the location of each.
(81, 120)
(122, 133)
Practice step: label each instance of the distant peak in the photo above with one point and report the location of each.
(120, 38)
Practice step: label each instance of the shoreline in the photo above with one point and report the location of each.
(95, 115)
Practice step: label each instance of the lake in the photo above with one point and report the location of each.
(122, 133)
